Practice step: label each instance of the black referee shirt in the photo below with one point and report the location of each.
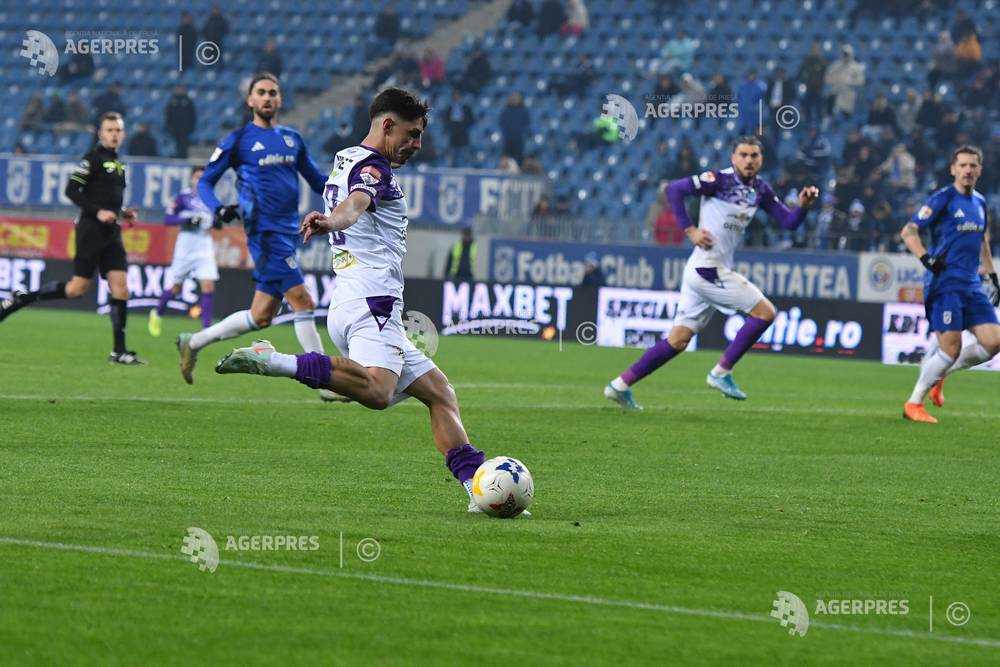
(97, 183)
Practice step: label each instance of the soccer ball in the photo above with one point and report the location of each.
(502, 487)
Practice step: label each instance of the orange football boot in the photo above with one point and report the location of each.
(937, 393)
(915, 412)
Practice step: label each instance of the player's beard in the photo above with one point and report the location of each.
(266, 115)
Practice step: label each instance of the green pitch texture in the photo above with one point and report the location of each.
(657, 538)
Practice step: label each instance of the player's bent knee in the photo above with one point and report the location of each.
(261, 321)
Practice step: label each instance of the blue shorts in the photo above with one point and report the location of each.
(957, 311)
(276, 269)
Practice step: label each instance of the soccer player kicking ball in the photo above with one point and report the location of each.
(268, 159)
(953, 298)
(729, 199)
(366, 219)
(194, 253)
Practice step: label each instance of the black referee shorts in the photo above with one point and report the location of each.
(98, 247)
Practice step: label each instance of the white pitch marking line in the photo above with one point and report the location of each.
(508, 592)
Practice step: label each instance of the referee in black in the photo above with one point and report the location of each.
(97, 186)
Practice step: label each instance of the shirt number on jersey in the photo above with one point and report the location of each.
(338, 238)
(330, 196)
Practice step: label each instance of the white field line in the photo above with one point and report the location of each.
(506, 592)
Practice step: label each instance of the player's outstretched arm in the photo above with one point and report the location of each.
(340, 218)
(787, 218)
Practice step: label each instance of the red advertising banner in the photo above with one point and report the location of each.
(144, 243)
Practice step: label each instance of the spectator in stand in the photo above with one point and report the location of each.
(749, 96)
(515, 126)
(931, 110)
(187, 36)
(812, 73)
(531, 166)
(662, 221)
(906, 118)
(578, 81)
(360, 119)
(866, 163)
(880, 114)
(31, 119)
(508, 165)
(900, 169)
(431, 69)
(77, 115)
(830, 224)
(551, 17)
(521, 11)
(981, 93)
(719, 90)
(577, 18)
(341, 138)
(478, 72)
(685, 164)
(780, 91)
(678, 53)
(180, 119)
(593, 276)
(110, 100)
(543, 224)
(962, 27)
(691, 90)
(270, 59)
(844, 77)
(55, 111)
(80, 66)
(387, 28)
(214, 30)
(858, 230)
(852, 146)
(816, 154)
(458, 120)
(968, 54)
(943, 60)
(665, 88)
(141, 142)
(948, 129)
(462, 259)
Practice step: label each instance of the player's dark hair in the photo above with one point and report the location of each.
(261, 76)
(750, 140)
(195, 169)
(966, 148)
(401, 102)
(108, 115)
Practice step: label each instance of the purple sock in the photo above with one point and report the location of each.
(463, 461)
(161, 307)
(313, 369)
(651, 359)
(749, 333)
(206, 309)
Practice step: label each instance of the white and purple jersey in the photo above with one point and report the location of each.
(190, 212)
(368, 255)
(727, 206)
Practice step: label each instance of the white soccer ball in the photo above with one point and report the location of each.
(502, 487)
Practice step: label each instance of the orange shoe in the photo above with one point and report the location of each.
(915, 412)
(937, 393)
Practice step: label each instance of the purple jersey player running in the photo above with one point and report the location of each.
(729, 199)
(366, 220)
(194, 253)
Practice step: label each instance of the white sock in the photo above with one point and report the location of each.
(971, 355)
(931, 370)
(618, 384)
(232, 326)
(282, 365)
(305, 331)
(719, 371)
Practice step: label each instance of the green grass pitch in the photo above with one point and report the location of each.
(657, 538)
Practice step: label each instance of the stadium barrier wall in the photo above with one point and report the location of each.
(799, 275)
(893, 333)
(445, 198)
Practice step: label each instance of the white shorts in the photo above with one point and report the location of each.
(707, 289)
(374, 336)
(194, 257)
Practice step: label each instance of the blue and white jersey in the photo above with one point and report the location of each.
(957, 224)
(368, 255)
(267, 162)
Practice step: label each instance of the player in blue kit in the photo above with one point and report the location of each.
(955, 216)
(267, 159)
